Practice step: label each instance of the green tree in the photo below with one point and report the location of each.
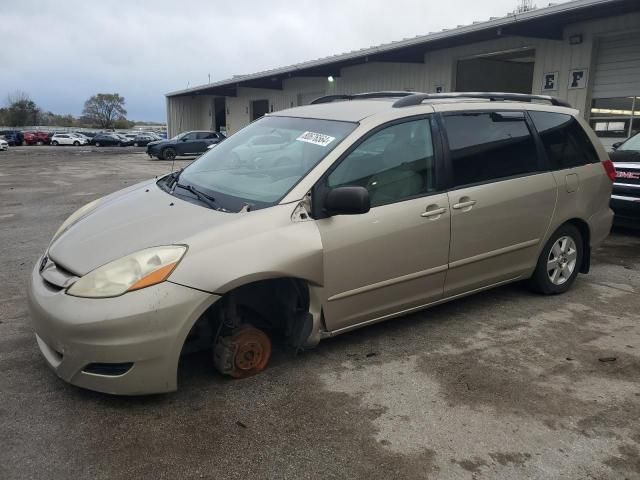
(22, 110)
(103, 109)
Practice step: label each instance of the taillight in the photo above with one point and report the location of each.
(610, 169)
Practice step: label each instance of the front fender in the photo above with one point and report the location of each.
(256, 246)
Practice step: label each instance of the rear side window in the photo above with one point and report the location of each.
(206, 135)
(566, 143)
(487, 146)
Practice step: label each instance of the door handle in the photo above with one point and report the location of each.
(433, 213)
(465, 204)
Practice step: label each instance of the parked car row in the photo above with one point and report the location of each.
(40, 137)
(123, 140)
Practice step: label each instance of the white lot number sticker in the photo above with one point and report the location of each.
(316, 138)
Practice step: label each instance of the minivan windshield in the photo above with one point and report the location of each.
(257, 166)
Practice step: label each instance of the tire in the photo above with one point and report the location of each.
(168, 154)
(120, 144)
(559, 262)
(54, 143)
(135, 144)
(76, 144)
(97, 144)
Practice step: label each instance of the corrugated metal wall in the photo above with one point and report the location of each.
(617, 72)
(439, 70)
(190, 113)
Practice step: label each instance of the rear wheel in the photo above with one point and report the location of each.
(168, 154)
(135, 144)
(97, 144)
(559, 262)
(76, 144)
(54, 143)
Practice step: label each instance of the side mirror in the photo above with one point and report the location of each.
(347, 201)
(616, 145)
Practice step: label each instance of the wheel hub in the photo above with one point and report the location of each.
(244, 353)
(561, 262)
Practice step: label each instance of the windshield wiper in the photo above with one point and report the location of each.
(203, 197)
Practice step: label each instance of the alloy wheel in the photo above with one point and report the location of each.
(562, 260)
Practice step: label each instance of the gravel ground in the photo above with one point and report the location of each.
(501, 385)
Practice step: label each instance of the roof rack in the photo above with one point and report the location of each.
(418, 98)
(362, 96)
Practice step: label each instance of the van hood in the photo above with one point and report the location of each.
(130, 220)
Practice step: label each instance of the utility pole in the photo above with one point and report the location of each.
(524, 6)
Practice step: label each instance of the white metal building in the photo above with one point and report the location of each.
(583, 51)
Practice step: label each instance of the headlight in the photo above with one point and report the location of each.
(133, 272)
(74, 217)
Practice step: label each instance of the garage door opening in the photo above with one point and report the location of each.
(259, 108)
(219, 105)
(500, 72)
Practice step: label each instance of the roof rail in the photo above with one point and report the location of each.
(418, 98)
(361, 96)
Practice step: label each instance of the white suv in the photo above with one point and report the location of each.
(68, 139)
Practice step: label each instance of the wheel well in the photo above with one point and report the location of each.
(275, 306)
(584, 230)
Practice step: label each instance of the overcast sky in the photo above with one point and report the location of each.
(62, 52)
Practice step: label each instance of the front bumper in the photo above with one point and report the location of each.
(627, 210)
(146, 327)
(153, 150)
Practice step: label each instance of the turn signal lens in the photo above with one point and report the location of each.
(158, 276)
(610, 169)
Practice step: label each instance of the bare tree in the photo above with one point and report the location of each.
(22, 110)
(103, 109)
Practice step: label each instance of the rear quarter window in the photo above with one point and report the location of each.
(489, 146)
(566, 143)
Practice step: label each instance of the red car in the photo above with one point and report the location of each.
(37, 138)
(29, 138)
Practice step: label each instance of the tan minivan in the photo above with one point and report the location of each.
(317, 220)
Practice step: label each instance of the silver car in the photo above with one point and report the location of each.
(380, 204)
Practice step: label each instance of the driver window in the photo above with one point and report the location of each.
(206, 135)
(393, 164)
(188, 137)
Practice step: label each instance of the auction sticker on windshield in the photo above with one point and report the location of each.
(316, 138)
